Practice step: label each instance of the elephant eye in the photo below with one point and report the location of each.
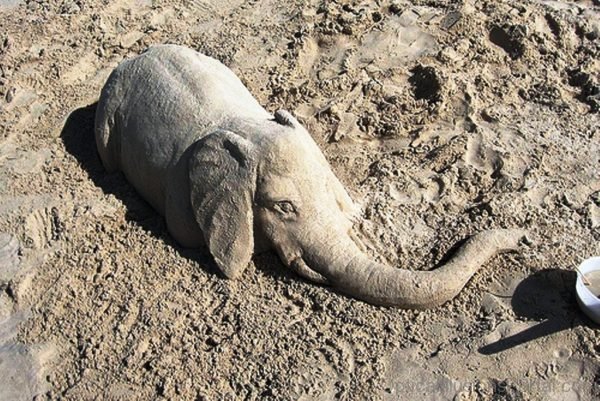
(284, 207)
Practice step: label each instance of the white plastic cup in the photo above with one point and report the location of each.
(588, 302)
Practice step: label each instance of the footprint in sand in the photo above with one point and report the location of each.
(22, 371)
(9, 257)
(22, 161)
(407, 379)
(24, 101)
(327, 375)
(21, 366)
(325, 57)
(84, 68)
(399, 43)
(482, 157)
(42, 227)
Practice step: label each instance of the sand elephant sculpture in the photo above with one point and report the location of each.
(231, 177)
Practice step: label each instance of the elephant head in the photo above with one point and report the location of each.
(271, 183)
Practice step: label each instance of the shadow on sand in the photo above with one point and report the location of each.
(547, 296)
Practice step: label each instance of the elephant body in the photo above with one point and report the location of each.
(152, 109)
(228, 175)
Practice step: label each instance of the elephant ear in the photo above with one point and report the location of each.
(222, 173)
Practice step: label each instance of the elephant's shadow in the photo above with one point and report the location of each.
(78, 138)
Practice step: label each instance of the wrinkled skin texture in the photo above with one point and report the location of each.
(228, 175)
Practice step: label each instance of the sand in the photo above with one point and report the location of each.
(442, 118)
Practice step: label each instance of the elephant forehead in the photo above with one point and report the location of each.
(272, 186)
(293, 155)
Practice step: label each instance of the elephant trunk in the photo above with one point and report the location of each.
(354, 273)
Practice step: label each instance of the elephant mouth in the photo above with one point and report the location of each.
(299, 266)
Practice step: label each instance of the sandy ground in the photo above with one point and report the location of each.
(442, 118)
